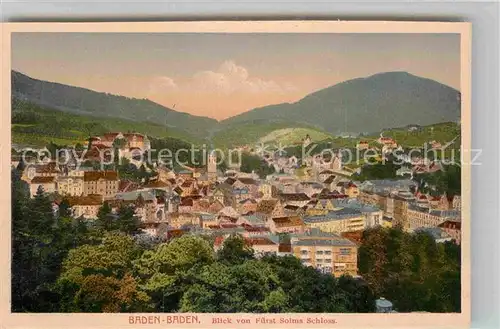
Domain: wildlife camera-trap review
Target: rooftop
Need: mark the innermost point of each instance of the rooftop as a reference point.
(42, 180)
(324, 242)
(133, 195)
(340, 214)
(96, 175)
(90, 200)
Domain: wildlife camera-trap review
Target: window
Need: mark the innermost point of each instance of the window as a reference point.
(319, 252)
(345, 251)
(339, 267)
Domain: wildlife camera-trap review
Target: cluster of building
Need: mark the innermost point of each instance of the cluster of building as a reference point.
(402, 206)
(413, 164)
(322, 213)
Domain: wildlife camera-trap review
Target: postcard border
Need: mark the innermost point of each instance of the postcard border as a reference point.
(430, 320)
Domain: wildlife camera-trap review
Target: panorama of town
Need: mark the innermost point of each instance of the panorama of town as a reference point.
(258, 173)
(314, 208)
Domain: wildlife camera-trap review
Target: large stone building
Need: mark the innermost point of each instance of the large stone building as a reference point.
(105, 183)
(328, 253)
(337, 221)
(70, 185)
(419, 217)
(46, 183)
(85, 206)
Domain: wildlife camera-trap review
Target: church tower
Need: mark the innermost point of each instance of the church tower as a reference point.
(337, 162)
(212, 166)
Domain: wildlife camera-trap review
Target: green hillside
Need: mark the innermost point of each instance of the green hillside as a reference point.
(441, 132)
(34, 125)
(248, 133)
(384, 100)
(81, 101)
(290, 136)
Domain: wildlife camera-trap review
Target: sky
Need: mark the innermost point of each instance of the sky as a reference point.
(220, 75)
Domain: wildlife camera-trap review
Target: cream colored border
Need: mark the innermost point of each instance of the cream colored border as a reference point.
(8, 320)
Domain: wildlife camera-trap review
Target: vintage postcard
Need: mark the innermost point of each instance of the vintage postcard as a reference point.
(306, 174)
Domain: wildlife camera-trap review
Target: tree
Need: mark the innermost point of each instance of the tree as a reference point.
(250, 163)
(166, 271)
(79, 147)
(105, 219)
(98, 278)
(446, 181)
(127, 221)
(251, 286)
(411, 270)
(307, 289)
(358, 296)
(40, 241)
(64, 208)
(235, 250)
(379, 170)
(89, 128)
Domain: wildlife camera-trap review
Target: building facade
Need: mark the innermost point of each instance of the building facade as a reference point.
(105, 183)
(330, 254)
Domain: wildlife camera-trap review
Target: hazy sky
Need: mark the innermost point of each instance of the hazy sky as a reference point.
(221, 75)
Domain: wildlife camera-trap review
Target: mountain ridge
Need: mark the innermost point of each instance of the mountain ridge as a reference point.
(365, 104)
(353, 101)
(80, 100)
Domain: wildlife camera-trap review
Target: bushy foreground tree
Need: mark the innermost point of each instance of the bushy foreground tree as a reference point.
(412, 270)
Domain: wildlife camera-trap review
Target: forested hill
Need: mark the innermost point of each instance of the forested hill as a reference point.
(88, 102)
(381, 101)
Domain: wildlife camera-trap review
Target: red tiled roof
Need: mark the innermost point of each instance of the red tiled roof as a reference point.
(156, 183)
(354, 236)
(138, 137)
(42, 180)
(252, 201)
(250, 228)
(90, 200)
(329, 180)
(290, 221)
(331, 196)
(127, 186)
(96, 175)
(186, 202)
(260, 241)
(451, 225)
(228, 225)
(267, 206)
(247, 181)
(294, 197)
(187, 184)
(285, 247)
(100, 146)
(49, 168)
